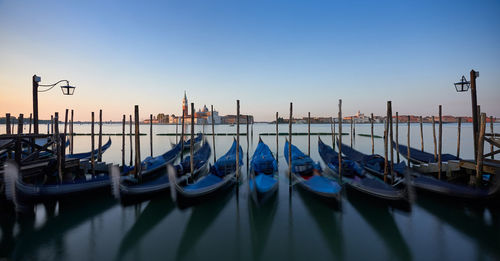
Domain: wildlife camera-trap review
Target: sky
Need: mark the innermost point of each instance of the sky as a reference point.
(264, 53)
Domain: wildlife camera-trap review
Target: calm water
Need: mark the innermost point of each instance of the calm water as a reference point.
(291, 226)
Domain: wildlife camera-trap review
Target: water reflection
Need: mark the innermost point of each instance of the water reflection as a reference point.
(156, 210)
(378, 215)
(261, 219)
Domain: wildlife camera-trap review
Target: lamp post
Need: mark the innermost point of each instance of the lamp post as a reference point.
(463, 86)
(66, 90)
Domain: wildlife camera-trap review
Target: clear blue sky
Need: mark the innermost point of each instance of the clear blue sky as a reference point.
(265, 53)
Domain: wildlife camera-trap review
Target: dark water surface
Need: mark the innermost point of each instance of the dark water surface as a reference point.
(292, 225)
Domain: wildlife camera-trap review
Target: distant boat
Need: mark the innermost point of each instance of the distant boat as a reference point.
(222, 175)
(309, 175)
(355, 177)
(263, 178)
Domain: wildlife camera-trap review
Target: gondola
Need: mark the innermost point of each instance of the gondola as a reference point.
(132, 189)
(197, 142)
(222, 175)
(421, 157)
(355, 177)
(421, 182)
(88, 155)
(309, 176)
(263, 177)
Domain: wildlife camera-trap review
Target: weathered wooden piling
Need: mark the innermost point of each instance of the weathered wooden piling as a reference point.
(351, 132)
(65, 129)
(277, 133)
(191, 145)
(137, 143)
(58, 146)
(459, 127)
(20, 122)
(408, 143)
(248, 134)
(480, 150)
(213, 131)
(309, 134)
(390, 138)
(333, 132)
(31, 118)
(182, 135)
(492, 136)
(71, 130)
(123, 141)
(130, 139)
(340, 140)
(440, 145)
(237, 140)
(290, 120)
(397, 137)
(434, 137)
(151, 133)
(7, 124)
(99, 149)
(386, 160)
(421, 133)
(371, 128)
(92, 156)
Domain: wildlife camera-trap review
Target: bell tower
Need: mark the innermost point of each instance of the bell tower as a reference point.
(185, 105)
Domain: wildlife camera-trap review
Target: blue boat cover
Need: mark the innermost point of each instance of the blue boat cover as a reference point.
(301, 163)
(204, 182)
(374, 162)
(263, 182)
(423, 156)
(199, 159)
(227, 163)
(263, 160)
(322, 184)
(331, 158)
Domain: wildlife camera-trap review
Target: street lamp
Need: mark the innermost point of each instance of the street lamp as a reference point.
(66, 90)
(463, 86)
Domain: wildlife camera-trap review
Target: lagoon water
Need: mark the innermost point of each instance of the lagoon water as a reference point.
(292, 225)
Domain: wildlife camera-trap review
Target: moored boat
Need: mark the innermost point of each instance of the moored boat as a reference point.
(263, 176)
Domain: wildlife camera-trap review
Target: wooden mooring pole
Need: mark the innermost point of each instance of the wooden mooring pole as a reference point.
(390, 138)
(480, 150)
(290, 120)
(31, 118)
(351, 131)
(371, 128)
(422, 133)
(99, 149)
(137, 143)
(434, 137)
(459, 127)
(213, 131)
(71, 131)
(123, 142)
(440, 145)
(309, 134)
(397, 137)
(340, 140)
(277, 133)
(151, 134)
(408, 143)
(237, 140)
(182, 135)
(130, 139)
(51, 124)
(332, 126)
(8, 130)
(492, 136)
(65, 129)
(92, 156)
(191, 145)
(248, 134)
(58, 147)
(20, 122)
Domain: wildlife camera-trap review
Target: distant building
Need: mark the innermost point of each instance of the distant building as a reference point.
(231, 119)
(202, 116)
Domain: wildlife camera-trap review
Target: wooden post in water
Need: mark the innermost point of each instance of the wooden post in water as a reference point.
(371, 128)
(130, 139)
(339, 144)
(248, 134)
(332, 127)
(99, 149)
(434, 137)
(20, 122)
(351, 132)
(191, 145)
(182, 135)
(237, 140)
(458, 136)
(408, 142)
(386, 161)
(397, 137)
(71, 130)
(92, 156)
(290, 120)
(123, 142)
(213, 132)
(58, 147)
(7, 123)
(137, 143)
(480, 150)
(390, 138)
(51, 124)
(31, 116)
(421, 133)
(65, 130)
(309, 134)
(440, 145)
(492, 137)
(277, 133)
(151, 133)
